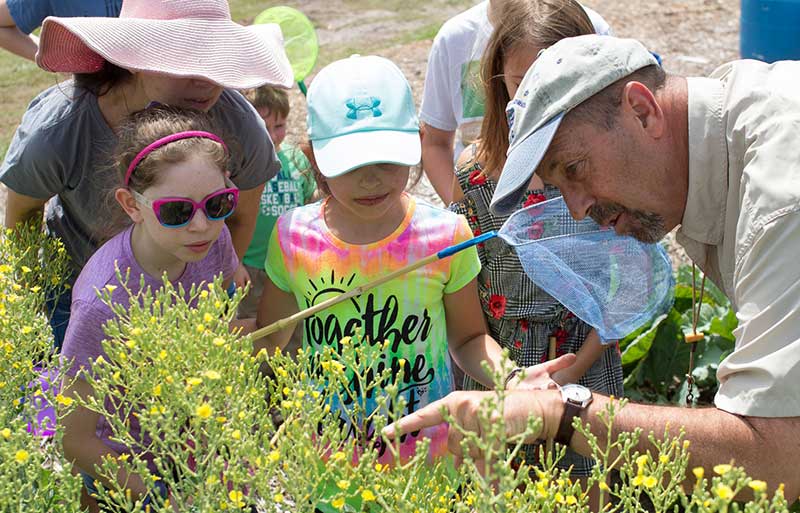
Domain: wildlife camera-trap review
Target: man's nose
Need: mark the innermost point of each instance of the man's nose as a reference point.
(578, 203)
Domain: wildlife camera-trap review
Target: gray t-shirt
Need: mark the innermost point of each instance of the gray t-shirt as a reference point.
(61, 151)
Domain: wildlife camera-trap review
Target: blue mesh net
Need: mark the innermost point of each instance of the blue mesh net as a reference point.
(614, 283)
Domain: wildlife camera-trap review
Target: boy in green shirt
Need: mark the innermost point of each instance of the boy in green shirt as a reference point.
(293, 186)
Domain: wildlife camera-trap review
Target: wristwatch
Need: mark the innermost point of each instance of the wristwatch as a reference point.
(576, 399)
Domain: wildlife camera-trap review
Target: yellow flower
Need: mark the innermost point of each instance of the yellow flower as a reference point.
(63, 400)
(5, 268)
(204, 411)
(111, 288)
(338, 503)
(200, 328)
(193, 381)
(162, 355)
(157, 390)
(25, 269)
(722, 469)
(641, 461)
(212, 374)
(21, 456)
(650, 481)
(274, 456)
(638, 480)
(345, 341)
(758, 486)
(222, 419)
(5, 433)
(212, 480)
(724, 492)
(218, 341)
(664, 459)
(698, 472)
(208, 317)
(367, 495)
(26, 329)
(603, 486)
(236, 497)
(571, 500)
(229, 390)
(338, 456)
(344, 484)
(136, 332)
(236, 435)
(278, 498)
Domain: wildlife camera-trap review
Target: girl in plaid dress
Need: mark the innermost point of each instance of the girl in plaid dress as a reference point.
(521, 316)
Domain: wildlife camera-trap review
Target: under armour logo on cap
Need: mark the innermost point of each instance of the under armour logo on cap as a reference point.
(363, 104)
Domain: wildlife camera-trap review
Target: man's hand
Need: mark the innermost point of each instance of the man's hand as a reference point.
(540, 377)
(464, 408)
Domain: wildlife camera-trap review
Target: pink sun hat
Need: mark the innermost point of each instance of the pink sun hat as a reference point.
(180, 38)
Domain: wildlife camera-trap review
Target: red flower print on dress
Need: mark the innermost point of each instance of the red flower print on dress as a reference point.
(523, 325)
(536, 230)
(517, 344)
(561, 335)
(533, 199)
(477, 177)
(497, 305)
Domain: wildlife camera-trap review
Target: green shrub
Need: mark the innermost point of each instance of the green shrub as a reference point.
(227, 436)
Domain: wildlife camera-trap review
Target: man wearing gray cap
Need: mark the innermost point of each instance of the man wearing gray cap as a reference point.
(645, 152)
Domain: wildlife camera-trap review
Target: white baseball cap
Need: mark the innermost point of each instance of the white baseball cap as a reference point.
(562, 77)
(360, 112)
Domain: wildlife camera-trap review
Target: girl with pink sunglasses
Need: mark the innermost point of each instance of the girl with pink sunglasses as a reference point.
(175, 190)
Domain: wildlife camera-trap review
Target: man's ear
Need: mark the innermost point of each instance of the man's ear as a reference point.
(640, 101)
(128, 204)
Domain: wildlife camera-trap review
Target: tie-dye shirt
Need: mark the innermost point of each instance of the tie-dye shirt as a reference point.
(306, 259)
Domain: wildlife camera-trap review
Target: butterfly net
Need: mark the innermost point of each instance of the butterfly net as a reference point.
(614, 283)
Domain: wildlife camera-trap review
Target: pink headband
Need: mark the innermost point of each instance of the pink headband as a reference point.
(166, 140)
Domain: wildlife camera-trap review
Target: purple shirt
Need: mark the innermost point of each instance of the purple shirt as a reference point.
(89, 314)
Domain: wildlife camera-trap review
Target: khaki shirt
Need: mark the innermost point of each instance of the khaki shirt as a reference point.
(742, 225)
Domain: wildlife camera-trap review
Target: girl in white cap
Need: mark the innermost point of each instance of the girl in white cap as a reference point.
(364, 139)
(184, 53)
(172, 186)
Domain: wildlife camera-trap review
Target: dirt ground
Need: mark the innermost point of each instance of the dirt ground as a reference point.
(692, 37)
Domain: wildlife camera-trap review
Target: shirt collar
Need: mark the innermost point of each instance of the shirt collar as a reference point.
(704, 216)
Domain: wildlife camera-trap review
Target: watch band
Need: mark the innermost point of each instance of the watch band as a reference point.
(565, 429)
(511, 375)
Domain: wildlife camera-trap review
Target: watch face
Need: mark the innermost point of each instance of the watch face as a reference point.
(576, 393)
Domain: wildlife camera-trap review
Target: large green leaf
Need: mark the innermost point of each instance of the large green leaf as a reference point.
(637, 349)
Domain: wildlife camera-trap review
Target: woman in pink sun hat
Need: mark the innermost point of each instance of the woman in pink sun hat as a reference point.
(183, 53)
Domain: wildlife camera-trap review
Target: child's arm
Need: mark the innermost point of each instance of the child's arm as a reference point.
(589, 352)
(82, 446)
(467, 334)
(275, 304)
(470, 343)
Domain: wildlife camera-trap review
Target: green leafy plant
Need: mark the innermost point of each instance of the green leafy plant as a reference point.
(33, 475)
(656, 357)
(228, 435)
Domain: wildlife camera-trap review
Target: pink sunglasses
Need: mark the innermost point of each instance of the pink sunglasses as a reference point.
(178, 212)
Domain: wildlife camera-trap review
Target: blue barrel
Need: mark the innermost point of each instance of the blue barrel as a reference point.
(770, 30)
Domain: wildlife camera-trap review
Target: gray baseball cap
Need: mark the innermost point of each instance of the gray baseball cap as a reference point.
(561, 78)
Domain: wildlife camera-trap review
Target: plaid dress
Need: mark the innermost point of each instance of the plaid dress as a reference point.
(521, 316)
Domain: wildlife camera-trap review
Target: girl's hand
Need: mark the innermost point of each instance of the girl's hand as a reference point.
(241, 277)
(541, 377)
